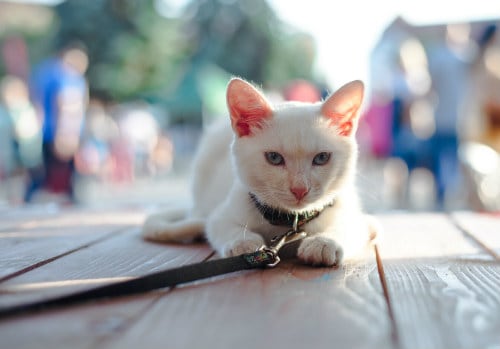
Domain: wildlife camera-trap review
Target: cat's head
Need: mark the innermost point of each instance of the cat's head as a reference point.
(294, 156)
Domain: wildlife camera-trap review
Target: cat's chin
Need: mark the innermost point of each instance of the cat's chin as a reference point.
(293, 206)
(301, 206)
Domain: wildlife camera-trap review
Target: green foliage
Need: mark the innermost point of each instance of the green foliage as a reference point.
(247, 39)
(244, 38)
(132, 50)
(135, 52)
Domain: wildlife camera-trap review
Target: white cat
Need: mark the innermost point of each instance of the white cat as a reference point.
(276, 162)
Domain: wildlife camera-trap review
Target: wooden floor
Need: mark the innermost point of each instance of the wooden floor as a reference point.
(434, 283)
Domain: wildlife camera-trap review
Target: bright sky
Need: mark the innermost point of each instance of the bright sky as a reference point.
(346, 31)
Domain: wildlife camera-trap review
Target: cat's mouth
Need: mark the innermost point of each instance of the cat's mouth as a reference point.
(299, 205)
(289, 203)
(286, 203)
(287, 216)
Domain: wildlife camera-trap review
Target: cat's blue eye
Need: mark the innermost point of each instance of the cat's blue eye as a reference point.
(321, 158)
(274, 158)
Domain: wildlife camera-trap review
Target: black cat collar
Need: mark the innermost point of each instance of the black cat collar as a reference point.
(288, 219)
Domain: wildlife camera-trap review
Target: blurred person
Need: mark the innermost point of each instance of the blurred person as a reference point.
(140, 129)
(27, 135)
(6, 143)
(60, 94)
(406, 145)
(480, 136)
(99, 132)
(409, 148)
(448, 70)
(120, 163)
(162, 157)
(375, 126)
(481, 113)
(20, 136)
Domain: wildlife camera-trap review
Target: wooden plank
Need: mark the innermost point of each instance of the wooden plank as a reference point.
(44, 216)
(291, 306)
(444, 290)
(36, 242)
(21, 251)
(82, 327)
(19, 254)
(118, 257)
(422, 235)
(485, 228)
(89, 325)
(88, 217)
(11, 216)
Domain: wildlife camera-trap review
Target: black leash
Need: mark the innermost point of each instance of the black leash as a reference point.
(262, 258)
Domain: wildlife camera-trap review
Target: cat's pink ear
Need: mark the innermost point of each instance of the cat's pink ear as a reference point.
(248, 108)
(342, 108)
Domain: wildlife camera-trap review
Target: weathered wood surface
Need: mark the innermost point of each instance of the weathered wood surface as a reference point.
(11, 217)
(443, 288)
(292, 306)
(484, 228)
(119, 255)
(35, 241)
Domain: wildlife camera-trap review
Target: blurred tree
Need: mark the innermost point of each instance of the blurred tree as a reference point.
(244, 38)
(247, 39)
(135, 52)
(132, 50)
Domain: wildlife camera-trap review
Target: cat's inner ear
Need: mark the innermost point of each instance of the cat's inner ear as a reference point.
(248, 108)
(342, 107)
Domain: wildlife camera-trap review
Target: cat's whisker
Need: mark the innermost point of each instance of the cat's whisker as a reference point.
(245, 229)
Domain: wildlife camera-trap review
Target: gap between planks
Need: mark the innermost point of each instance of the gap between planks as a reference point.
(472, 237)
(401, 335)
(52, 259)
(117, 316)
(387, 297)
(142, 312)
(136, 333)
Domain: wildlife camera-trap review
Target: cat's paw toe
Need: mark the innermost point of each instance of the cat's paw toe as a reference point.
(320, 250)
(239, 247)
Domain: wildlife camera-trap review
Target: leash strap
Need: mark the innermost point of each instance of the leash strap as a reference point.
(264, 257)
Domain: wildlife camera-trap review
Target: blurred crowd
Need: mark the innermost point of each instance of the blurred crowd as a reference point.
(51, 132)
(435, 113)
(430, 136)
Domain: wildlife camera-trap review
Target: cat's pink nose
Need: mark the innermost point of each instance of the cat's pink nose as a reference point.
(299, 192)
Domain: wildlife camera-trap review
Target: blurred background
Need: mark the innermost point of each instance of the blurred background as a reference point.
(103, 102)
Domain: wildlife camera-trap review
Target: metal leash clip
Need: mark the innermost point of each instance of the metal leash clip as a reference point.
(279, 241)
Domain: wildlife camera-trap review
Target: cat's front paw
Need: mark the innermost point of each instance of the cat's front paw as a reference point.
(320, 250)
(238, 247)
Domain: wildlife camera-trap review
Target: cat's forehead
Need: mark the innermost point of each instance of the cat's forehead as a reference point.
(297, 110)
(294, 118)
(298, 128)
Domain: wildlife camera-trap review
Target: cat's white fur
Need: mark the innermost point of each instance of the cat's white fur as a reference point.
(231, 163)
